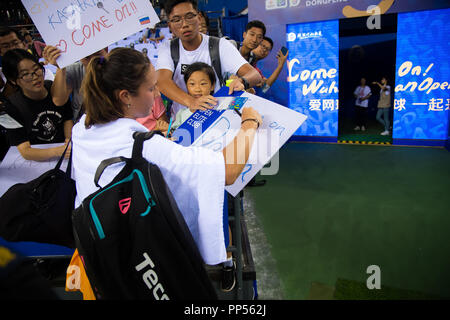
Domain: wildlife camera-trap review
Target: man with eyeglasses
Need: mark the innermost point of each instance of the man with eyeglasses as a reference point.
(12, 39)
(184, 22)
(261, 52)
(9, 39)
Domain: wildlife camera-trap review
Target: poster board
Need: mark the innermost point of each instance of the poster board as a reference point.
(215, 129)
(82, 27)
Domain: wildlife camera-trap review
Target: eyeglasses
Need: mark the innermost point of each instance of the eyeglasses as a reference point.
(265, 48)
(189, 17)
(10, 45)
(28, 77)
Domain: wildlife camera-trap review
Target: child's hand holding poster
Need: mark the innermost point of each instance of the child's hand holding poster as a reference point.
(215, 129)
(81, 27)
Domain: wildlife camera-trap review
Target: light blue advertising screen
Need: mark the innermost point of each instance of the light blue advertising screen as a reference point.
(313, 76)
(422, 90)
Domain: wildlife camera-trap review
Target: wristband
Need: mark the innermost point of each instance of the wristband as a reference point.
(245, 83)
(251, 119)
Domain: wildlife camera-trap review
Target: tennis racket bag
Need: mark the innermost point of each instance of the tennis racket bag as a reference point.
(133, 240)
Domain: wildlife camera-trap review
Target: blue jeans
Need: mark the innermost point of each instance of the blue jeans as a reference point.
(385, 120)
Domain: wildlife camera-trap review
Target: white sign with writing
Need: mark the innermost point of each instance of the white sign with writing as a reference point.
(216, 129)
(82, 27)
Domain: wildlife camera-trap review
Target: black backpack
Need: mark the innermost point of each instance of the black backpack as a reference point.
(133, 240)
(39, 210)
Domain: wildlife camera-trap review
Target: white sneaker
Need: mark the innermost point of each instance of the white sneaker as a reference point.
(385, 133)
(356, 128)
(363, 128)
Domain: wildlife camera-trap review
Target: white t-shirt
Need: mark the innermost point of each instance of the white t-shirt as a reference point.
(230, 60)
(195, 176)
(361, 93)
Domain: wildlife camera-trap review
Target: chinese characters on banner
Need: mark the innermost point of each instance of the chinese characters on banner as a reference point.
(323, 105)
(313, 76)
(422, 89)
(432, 104)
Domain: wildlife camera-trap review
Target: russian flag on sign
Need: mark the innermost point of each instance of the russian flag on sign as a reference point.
(144, 20)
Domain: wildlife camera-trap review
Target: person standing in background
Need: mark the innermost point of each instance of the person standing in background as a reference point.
(384, 105)
(204, 22)
(362, 95)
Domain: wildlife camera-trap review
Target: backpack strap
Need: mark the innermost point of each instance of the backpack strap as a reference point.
(214, 54)
(103, 165)
(175, 53)
(139, 138)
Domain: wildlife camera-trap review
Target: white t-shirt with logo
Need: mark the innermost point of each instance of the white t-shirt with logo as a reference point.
(361, 93)
(230, 59)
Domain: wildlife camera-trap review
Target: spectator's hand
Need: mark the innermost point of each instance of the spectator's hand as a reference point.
(50, 54)
(203, 103)
(262, 83)
(236, 85)
(58, 151)
(251, 90)
(250, 113)
(282, 58)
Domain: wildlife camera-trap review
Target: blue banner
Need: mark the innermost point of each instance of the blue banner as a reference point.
(273, 12)
(422, 89)
(313, 76)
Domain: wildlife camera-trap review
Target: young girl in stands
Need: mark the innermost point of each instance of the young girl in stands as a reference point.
(113, 99)
(39, 119)
(200, 80)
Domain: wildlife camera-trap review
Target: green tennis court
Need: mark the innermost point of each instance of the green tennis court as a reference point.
(333, 210)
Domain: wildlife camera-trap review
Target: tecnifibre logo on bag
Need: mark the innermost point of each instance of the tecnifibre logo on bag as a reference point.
(124, 205)
(150, 278)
